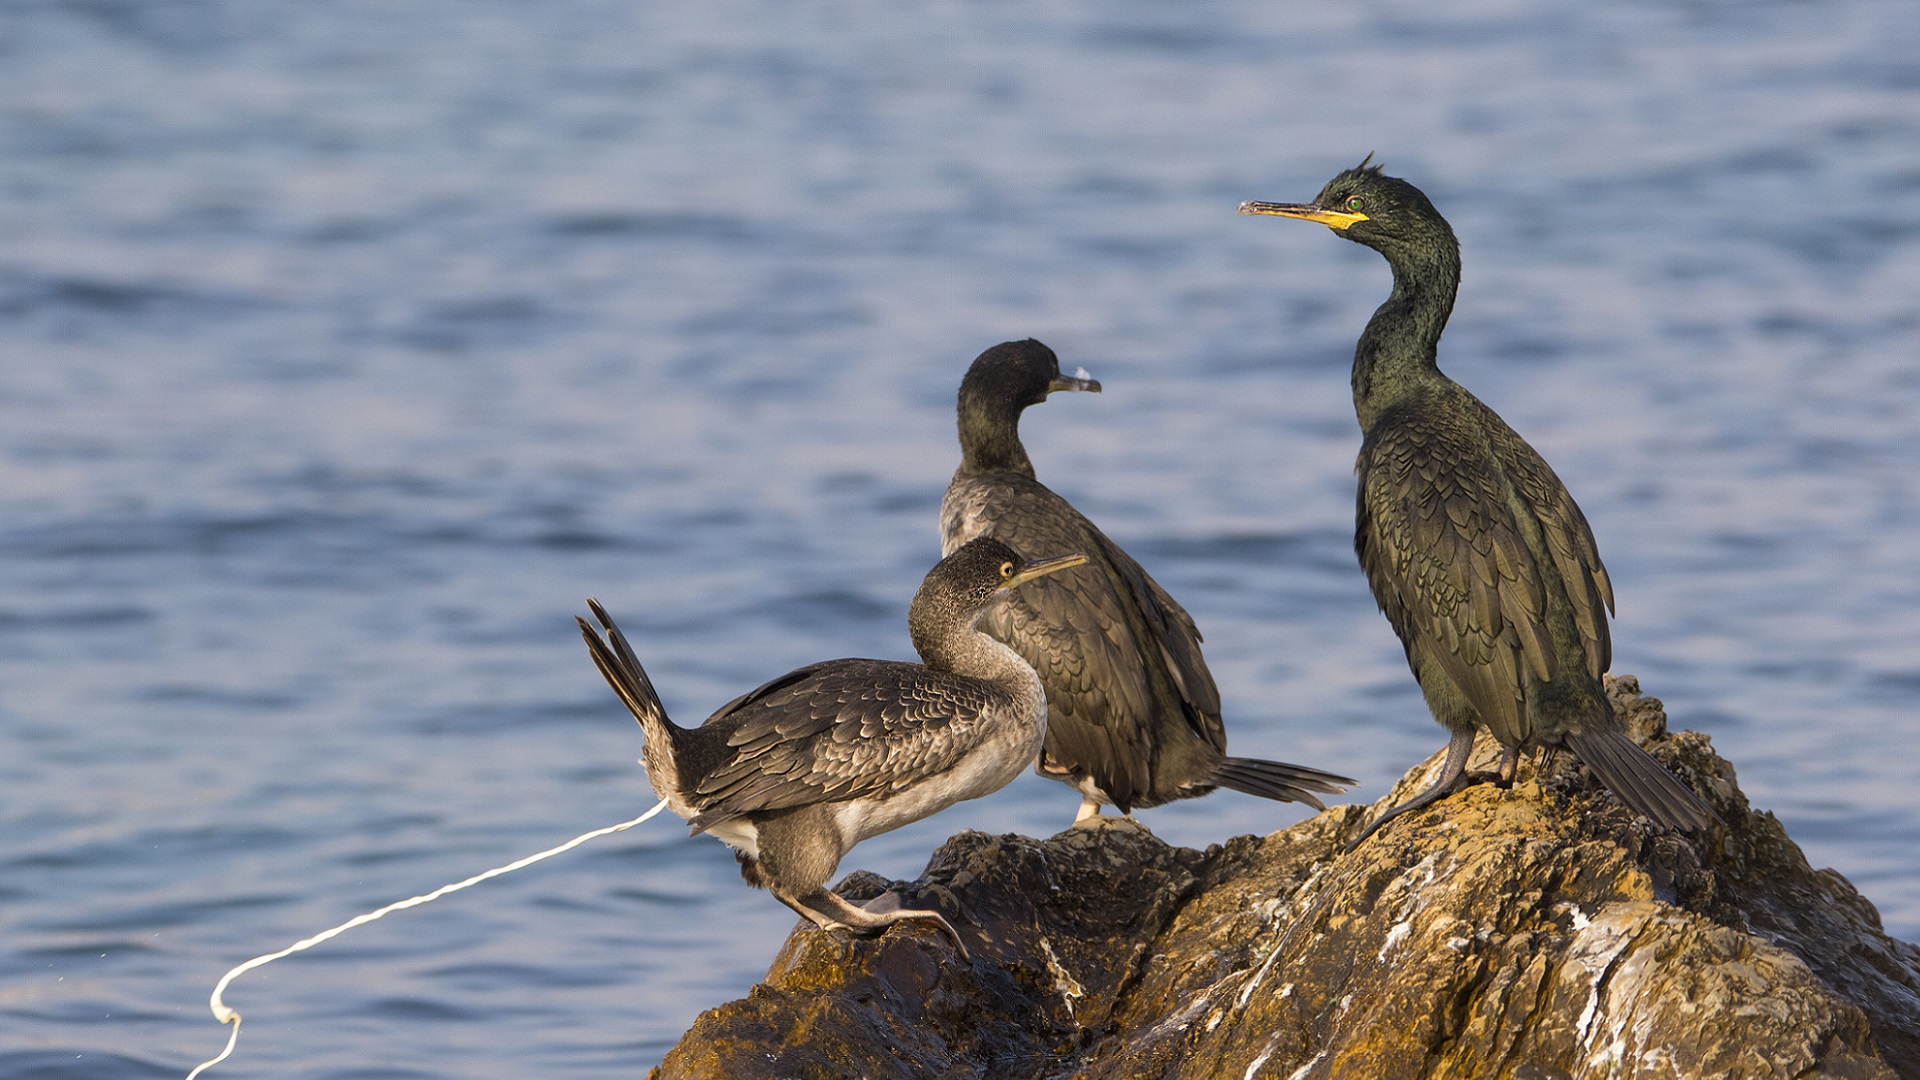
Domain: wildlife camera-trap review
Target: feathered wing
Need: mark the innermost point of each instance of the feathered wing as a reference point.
(1180, 641)
(1448, 564)
(839, 730)
(1570, 542)
(1091, 652)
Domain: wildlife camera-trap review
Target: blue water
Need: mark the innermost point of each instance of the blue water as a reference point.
(349, 346)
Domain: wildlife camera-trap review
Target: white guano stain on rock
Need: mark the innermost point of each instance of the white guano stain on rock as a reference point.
(1400, 932)
(1069, 988)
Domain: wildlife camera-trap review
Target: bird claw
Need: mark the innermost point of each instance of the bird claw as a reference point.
(940, 923)
(1107, 821)
(895, 913)
(871, 918)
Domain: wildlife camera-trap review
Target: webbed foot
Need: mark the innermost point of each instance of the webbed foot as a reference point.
(1453, 777)
(830, 911)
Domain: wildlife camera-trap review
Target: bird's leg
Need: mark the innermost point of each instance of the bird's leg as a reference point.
(1502, 775)
(1089, 812)
(1509, 767)
(1452, 771)
(830, 911)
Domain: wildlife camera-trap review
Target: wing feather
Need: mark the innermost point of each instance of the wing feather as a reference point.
(1574, 553)
(1444, 544)
(1449, 567)
(1099, 638)
(840, 730)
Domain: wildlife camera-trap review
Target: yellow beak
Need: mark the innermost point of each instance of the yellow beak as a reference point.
(1332, 219)
(1041, 568)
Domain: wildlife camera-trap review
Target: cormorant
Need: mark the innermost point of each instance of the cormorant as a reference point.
(795, 773)
(1474, 550)
(1133, 718)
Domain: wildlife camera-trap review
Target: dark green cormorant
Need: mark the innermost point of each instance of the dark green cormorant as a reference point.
(1133, 718)
(794, 774)
(1473, 548)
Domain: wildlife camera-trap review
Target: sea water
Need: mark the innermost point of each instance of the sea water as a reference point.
(346, 347)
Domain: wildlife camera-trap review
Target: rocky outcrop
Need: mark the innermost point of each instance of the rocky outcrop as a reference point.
(1539, 932)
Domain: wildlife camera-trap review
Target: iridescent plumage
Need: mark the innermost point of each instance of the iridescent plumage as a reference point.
(1473, 548)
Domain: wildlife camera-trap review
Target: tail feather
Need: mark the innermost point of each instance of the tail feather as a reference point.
(622, 670)
(1278, 780)
(1641, 781)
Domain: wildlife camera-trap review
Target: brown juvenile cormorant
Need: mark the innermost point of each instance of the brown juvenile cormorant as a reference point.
(794, 774)
(1133, 718)
(1473, 547)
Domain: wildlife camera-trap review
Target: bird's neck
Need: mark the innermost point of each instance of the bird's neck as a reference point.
(990, 439)
(1399, 350)
(972, 653)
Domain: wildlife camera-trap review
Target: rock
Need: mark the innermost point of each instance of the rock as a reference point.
(1536, 933)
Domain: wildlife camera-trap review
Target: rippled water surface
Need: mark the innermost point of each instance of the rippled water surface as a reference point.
(348, 346)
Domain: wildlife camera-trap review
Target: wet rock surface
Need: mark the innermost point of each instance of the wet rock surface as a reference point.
(1539, 932)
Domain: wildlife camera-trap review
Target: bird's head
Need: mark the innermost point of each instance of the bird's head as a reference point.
(1019, 374)
(1363, 205)
(961, 587)
(981, 571)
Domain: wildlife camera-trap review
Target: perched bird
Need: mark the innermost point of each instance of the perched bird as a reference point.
(794, 774)
(1133, 718)
(1473, 547)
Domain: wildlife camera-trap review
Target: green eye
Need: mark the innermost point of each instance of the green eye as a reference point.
(1354, 204)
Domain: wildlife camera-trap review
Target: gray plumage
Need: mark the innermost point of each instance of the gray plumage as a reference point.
(796, 772)
(1133, 713)
(1473, 548)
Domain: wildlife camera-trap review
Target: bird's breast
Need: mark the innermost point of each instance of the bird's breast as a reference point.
(1012, 742)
